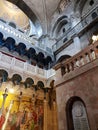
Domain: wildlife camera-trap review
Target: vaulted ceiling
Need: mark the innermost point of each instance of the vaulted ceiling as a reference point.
(41, 12)
(38, 10)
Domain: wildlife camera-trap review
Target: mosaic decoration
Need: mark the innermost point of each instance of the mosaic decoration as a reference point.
(11, 13)
(79, 115)
(20, 113)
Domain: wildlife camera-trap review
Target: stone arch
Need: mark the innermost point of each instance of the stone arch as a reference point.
(12, 25)
(63, 57)
(48, 61)
(31, 14)
(59, 24)
(16, 79)
(70, 53)
(29, 82)
(21, 49)
(10, 43)
(3, 75)
(40, 85)
(76, 114)
(30, 52)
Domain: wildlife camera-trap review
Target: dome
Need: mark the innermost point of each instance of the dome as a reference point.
(11, 13)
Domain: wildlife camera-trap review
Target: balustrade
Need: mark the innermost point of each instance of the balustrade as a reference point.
(16, 33)
(84, 57)
(21, 36)
(12, 63)
(85, 21)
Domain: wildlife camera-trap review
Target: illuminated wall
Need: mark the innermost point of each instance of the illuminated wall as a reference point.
(20, 113)
(10, 12)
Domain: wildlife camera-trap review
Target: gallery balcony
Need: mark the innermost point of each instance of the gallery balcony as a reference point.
(15, 65)
(21, 36)
(78, 29)
(80, 63)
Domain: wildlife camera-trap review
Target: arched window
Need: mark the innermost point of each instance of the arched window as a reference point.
(91, 2)
(76, 115)
(12, 24)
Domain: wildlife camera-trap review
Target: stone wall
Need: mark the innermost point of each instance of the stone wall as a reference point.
(85, 86)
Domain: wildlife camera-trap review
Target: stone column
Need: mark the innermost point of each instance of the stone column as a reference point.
(0, 55)
(77, 43)
(55, 124)
(45, 114)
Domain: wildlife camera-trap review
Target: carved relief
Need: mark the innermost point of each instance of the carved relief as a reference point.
(79, 116)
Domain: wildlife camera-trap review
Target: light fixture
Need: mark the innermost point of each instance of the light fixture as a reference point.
(8, 30)
(11, 90)
(2, 27)
(95, 38)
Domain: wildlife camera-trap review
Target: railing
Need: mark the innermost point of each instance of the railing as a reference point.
(84, 57)
(85, 21)
(20, 36)
(16, 33)
(15, 65)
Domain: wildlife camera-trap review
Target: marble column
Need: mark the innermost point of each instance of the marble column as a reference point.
(45, 114)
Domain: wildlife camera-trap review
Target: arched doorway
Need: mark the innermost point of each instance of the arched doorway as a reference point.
(76, 114)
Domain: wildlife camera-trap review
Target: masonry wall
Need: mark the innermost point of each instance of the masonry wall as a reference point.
(84, 86)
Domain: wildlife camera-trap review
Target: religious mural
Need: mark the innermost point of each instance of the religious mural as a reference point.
(20, 114)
